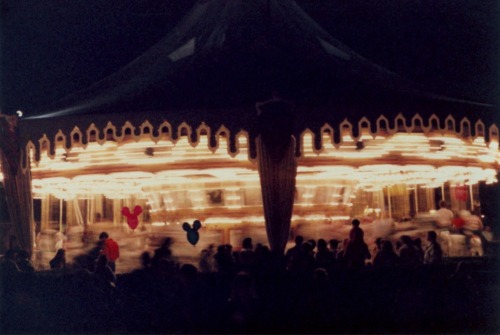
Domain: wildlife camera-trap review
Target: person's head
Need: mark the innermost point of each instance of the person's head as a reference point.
(23, 254)
(313, 243)
(443, 204)
(406, 240)
(261, 249)
(387, 246)
(10, 254)
(247, 243)
(378, 242)
(355, 223)
(322, 244)
(431, 236)
(306, 247)
(103, 235)
(221, 248)
(167, 243)
(334, 244)
(299, 239)
(188, 270)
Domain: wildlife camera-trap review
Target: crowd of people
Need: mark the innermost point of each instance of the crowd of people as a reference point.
(316, 286)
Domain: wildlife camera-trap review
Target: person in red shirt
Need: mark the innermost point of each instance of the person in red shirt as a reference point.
(110, 249)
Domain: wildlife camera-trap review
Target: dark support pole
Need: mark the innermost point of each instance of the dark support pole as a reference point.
(17, 183)
(277, 169)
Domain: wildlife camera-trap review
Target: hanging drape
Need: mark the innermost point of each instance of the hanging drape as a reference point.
(277, 170)
(17, 183)
(277, 181)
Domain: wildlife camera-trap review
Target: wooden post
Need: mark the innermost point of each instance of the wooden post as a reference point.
(60, 214)
(389, 201)
(416, 199)
(471, 198)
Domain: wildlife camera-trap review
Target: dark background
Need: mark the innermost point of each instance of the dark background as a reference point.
(52, 48)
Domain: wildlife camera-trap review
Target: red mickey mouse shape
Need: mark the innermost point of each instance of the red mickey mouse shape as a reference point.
(132, 219)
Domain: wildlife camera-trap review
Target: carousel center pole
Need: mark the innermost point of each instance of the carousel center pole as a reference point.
(277, 169)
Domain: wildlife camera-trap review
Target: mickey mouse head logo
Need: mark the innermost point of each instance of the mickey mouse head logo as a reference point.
(132, 218)
(192, 232)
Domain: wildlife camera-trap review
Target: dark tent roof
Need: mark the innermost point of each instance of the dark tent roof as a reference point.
(226, 55)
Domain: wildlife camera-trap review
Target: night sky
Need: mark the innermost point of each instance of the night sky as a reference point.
(52, 48)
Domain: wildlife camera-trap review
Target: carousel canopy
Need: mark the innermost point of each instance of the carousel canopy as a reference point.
(225, 56)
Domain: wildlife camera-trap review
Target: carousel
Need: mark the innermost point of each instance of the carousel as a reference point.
(270, 159)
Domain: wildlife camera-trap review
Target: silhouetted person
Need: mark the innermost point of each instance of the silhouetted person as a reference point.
(224, 261)
(145, 260)
(420, 251)
(324, 257)
(379, 241)
(24, 263)
(163, 260)
(386, 257)
(88, 260)
(104, 272)
(206, 263)
(8, 264)
(313, 244)
(303, 263)
(356, 230)
(164, 251)
(295, 250)
(14, 244)
(408, 253)
(433, 253)
(59, 260)
(341, 260)
(110, 249)
(246, 255)
(356, 252)
(333, 244)
(264, 263)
